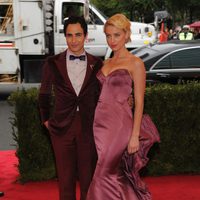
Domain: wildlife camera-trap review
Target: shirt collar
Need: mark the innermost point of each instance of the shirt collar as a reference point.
(71, 53)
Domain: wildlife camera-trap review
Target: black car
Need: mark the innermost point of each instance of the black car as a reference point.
(172, 61)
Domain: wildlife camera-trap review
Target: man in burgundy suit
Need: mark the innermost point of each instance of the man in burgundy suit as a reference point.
(71, 78)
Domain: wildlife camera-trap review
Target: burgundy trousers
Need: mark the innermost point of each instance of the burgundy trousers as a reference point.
(75, 157)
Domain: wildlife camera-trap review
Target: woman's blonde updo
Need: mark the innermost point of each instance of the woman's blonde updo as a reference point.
(120, 21)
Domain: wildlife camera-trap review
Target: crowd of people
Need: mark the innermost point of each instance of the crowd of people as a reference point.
(178, 33)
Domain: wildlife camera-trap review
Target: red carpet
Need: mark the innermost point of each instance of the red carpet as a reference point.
(162, 188)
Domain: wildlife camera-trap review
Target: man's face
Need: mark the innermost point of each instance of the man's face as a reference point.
(75, 38)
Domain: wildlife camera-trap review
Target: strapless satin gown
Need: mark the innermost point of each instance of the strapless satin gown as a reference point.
(113, 124)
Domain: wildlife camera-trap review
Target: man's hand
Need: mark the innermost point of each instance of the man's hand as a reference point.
(46, 123)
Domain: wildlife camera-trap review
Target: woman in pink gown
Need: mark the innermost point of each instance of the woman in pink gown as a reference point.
(122, 139)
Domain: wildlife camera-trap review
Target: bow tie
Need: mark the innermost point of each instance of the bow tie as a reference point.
(72, 57)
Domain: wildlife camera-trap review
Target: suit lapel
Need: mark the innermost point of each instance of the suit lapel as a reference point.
(61, 64)
(89, 71)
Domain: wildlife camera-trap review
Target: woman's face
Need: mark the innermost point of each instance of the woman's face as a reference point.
(116, 38)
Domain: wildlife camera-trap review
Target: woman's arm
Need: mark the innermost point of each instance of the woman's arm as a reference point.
(139, 78)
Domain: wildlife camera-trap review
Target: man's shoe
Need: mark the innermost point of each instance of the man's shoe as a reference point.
(1, 194)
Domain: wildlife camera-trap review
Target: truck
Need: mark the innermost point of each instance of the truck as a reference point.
(31, 30)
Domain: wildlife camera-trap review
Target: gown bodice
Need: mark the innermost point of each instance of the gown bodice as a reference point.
(116, 86)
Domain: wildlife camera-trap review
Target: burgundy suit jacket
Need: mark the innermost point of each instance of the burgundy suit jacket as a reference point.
(55, 81)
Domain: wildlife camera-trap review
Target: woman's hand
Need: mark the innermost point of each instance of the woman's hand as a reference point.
(133, 145)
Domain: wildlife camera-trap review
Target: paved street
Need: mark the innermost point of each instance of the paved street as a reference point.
(6, 139)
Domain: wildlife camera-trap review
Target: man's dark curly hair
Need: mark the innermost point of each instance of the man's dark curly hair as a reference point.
(75, 20)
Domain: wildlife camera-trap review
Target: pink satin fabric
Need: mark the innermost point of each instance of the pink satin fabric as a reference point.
(116, 176)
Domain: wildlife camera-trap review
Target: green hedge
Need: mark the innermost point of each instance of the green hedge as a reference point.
(34, 150)
(175, 109)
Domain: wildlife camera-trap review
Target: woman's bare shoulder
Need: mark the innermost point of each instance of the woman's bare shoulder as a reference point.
(136, 60)
(135, 65)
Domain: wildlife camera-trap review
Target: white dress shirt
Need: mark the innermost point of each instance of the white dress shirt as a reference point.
(76, 71)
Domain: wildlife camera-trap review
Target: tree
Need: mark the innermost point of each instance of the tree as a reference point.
(138, 9)
(183, 12)
(107, 6)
